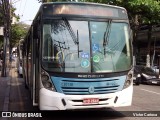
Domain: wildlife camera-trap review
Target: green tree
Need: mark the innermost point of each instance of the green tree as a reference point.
(149, 14)
(3, 19)
(1, 23)
(18, 32)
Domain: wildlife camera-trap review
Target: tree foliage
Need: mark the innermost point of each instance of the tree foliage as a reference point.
(3, 20)
(149, 10)
(1, 23)
(18, 32)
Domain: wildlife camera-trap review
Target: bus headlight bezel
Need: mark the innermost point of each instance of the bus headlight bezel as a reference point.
(46, 81)
(44, 78)
(129, 79)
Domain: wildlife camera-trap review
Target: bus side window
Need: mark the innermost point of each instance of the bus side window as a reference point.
(36, 34)
(36, 29)
(48, 45)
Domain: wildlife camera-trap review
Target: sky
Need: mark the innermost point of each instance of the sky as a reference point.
(26, 9)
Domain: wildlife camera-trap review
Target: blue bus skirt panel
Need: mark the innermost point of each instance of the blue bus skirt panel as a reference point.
(73, 95)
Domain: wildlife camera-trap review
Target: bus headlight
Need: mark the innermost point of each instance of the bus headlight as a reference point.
(129, 80)
(46, 81)
(44, 78)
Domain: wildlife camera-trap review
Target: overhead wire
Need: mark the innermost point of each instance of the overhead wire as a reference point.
(20, 7)
(24, 8)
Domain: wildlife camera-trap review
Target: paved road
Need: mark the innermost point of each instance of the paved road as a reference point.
(145, 98)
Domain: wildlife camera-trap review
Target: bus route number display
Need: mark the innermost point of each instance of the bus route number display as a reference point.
(84, 10)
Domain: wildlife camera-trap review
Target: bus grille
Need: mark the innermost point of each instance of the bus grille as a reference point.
(83, 87)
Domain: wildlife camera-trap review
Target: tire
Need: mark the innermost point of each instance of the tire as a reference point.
(20, 75)
(137, 83)
(26, 86)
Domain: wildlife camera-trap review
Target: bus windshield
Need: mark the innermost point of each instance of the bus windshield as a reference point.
(86, 46)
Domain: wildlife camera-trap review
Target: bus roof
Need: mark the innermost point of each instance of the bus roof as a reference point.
(84, 3)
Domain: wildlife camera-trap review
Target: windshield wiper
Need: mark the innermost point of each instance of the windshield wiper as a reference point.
(78, 43)
(106, 35)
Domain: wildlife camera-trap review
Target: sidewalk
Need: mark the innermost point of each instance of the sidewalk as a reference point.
(5, 90)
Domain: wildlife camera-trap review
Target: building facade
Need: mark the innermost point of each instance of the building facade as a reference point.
(141, 47)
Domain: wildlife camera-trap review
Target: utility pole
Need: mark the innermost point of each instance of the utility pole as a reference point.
(6, 20)
(10, 35)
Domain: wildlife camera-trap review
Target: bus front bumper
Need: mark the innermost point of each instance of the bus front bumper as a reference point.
(50, 100)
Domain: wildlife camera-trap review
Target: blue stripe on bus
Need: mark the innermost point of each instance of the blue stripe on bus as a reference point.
(76, 86)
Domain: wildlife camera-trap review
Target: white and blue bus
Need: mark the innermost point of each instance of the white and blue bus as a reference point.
(79, 56)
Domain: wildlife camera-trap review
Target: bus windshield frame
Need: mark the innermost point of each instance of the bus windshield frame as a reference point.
(71, 46)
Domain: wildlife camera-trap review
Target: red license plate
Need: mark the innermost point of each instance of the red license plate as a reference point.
(90, 100)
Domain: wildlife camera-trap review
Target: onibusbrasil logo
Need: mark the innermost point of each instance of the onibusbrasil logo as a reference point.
(21, 114)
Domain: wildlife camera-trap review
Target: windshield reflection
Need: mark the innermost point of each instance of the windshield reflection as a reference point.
(78, 46)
